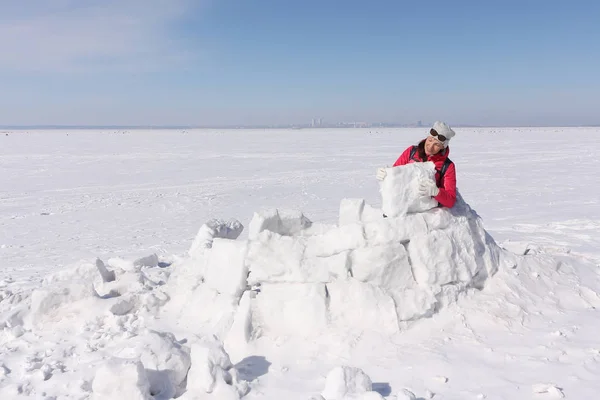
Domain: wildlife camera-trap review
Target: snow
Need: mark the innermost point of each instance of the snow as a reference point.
(120, 378)
(345, 383)
(105, 292)
(400, 189)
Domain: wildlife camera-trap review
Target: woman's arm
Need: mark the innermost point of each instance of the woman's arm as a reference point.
(404, 158)
(447, 195)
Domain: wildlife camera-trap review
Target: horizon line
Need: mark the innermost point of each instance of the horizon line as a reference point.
(352, 125)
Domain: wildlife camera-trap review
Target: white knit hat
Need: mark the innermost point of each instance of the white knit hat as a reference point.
(443, 129)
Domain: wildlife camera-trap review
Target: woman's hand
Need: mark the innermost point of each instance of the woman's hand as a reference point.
(428, 188)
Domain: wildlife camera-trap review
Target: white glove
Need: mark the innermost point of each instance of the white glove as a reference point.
(428, 188)
(381, 174)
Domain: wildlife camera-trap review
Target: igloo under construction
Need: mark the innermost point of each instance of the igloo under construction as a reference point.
(292, 277)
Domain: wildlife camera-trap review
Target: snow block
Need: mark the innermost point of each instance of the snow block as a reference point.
(240, 333)
(107, 276)
(370, 213)
(325, 269)
(399, 189)
(435, 267)
(202, 310)
(351, 211)
(275, 258)
(457, 254)
(226, 270)
(401, 229)
(336, 240)
(165, 360)
(266, 220)
(148, 261)
(316, 229)
(122, 306)
(361, 306)
(386, 266)
(50, 303)
(437, 218)
(292, 222)
(283, 222)
(212, 375)
(412, 304)
(121, 379)
(346, 382)
(83, 272)
(215, 228)
(296, 309)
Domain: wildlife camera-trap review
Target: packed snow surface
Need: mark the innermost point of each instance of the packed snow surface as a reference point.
(309, 294)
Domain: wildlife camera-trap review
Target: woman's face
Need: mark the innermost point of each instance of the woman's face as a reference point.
(432, 146)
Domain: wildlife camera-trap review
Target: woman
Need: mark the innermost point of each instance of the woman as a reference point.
(435, 149)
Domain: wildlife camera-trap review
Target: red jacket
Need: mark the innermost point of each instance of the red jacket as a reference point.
(447, 195)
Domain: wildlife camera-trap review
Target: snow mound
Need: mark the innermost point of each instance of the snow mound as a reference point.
(367, 273)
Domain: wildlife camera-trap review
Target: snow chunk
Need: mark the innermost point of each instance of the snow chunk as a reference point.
(283, 222)
(54, 302)
(361, 306)
(463, 252)
(553, 391)
(121, 379)
(346, 383)
(412, 304)
(405, 394)
(399, 189)
(226, 270)
(291, 309)
(241, 330)
(276, 258)
(336, 240)
(166, 361)
(148, 261)
(351, 211)
(215, 228)
(212, 375)
(107, 276)
(386, 266)
(386, 230)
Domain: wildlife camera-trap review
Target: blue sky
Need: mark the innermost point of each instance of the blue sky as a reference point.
(229, 62)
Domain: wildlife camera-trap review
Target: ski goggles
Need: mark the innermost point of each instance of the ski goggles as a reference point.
(436, 135)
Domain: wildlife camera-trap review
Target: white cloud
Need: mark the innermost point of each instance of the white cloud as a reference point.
(90, 35)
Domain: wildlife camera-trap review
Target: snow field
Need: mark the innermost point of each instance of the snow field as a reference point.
(288, 279)
(530, 333)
